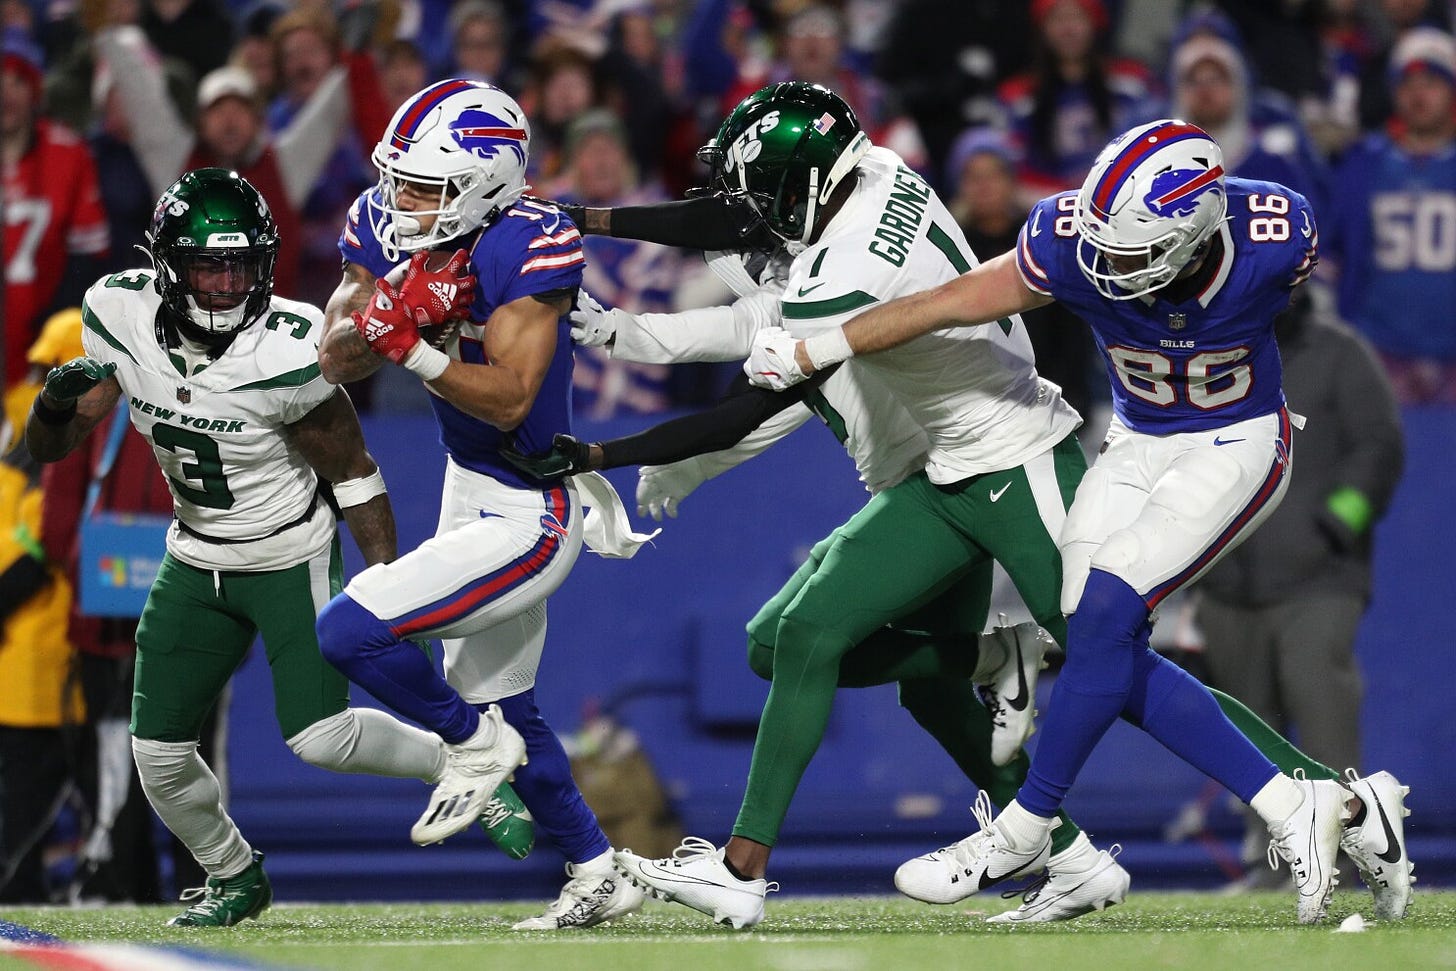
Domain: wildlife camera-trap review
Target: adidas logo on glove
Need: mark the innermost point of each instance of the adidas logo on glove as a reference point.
(445, 291)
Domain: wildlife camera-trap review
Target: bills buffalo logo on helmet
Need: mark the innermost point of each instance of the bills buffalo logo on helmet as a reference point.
(483, 134)
(1176, 192)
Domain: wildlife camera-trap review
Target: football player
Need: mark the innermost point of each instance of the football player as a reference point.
(452, 169)
(1078, 881)
(222, 378)
(1180, 272)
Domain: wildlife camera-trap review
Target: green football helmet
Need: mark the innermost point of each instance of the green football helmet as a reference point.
(787, 147)
(214, 245)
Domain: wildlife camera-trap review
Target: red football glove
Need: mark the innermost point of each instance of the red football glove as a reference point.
(387, 324)
(440, 295)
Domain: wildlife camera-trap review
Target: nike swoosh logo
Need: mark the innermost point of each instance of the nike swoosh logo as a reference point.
(1392, 845)
(988, 880)
(1019, 702)
(805, 291)
(1225, 441)
(486, 514)
(998, 493)
(1036, 224)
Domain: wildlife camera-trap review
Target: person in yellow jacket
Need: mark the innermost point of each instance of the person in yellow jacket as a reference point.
(39, 698)
(59, 342)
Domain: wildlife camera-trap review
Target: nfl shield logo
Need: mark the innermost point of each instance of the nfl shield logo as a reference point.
(1177, 321)
(184, 395)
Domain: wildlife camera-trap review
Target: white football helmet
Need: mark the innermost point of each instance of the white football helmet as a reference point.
(466, 140)
(1154, 198)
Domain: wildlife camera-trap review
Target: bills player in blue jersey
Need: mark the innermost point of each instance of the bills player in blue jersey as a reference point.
(452, 166)
(1180, 272)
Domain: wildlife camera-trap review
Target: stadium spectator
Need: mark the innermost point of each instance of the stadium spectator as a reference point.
(1393, 224)
(40, 699)
(638, 277)
(200, 33)
(480, 33)
(810, 47)
(55, 226)
(402, 71)
(982, 176)
(309, 49)
(254, 49)
(1073, 99)
(945, 58)
(1399, 18)
(1210, 85)
(1279, 614)
(563, 85)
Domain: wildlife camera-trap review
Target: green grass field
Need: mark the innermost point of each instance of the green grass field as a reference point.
(1184, 931)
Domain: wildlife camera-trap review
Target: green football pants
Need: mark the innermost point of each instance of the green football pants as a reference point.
(196, 629)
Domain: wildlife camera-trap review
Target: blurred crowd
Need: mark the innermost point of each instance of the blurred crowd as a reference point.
(104, 103)
(997, 102)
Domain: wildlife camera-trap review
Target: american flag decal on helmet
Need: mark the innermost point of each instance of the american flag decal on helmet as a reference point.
(825, 122)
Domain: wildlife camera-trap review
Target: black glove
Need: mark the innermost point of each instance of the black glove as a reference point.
(64, 384)
(567, 456)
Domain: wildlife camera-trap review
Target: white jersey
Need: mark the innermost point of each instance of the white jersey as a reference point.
(974, 390)
(887, 445)
(218, 432)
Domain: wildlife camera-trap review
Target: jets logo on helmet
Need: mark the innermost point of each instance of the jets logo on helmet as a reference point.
(1150, 205)
(483, 134)
(786, 148)
(461, 144)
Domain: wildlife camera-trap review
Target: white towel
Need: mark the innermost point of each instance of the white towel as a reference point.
(606, 528)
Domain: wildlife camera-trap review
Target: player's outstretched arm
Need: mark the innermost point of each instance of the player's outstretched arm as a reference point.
(74, 399)
(330, 440)
(520, 340)
(983, 295)
(343, 354)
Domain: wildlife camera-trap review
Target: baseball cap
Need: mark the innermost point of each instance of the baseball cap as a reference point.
(22, 54)
(1424, 48)
(224, 82)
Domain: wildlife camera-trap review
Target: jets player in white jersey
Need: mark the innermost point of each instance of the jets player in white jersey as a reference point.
(1180, 272)
(222, 379)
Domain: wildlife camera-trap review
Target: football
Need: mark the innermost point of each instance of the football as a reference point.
(437, 336)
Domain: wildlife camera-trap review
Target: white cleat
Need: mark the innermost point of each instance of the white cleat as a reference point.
(1309, 840)
(1062, 895)
(695, 876)
(1010, 694)
(474, 769)
(1377, 845)
(588, 899)
(953, 873)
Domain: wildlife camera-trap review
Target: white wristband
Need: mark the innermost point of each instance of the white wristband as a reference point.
(426, 361)
(356, 492)
(827, 348)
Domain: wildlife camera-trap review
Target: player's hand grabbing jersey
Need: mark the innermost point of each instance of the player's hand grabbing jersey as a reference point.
(975, 390)
(1210, 360)
(217, 432)
(530, 248)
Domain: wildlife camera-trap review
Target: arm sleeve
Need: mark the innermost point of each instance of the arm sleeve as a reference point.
(743, 409)
(706, 334)
(710, 222)
(160, 136)
(712, 464)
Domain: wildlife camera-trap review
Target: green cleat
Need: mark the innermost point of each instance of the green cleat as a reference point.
(508, 823)
(226, 901)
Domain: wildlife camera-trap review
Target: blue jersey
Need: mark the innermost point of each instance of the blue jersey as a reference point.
(1211, 360)
(530, 248)
(1394, 234)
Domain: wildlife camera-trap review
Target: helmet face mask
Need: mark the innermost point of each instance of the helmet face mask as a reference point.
(786, 148)
(1149, 208)
(452, 158)
(214, 246)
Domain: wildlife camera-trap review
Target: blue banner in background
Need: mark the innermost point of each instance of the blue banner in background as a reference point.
(658, 641)
(120, 556)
